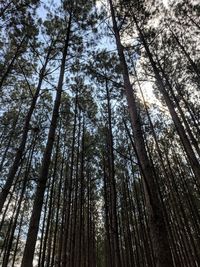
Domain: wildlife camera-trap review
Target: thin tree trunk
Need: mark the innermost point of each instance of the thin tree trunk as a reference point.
(19, 154)
(50, 204)
(180, 129)
(192, 63)
(24, 183)
(67, 201)
(14, 124)
(9, 68)
(158, 229)
(108, 256)
(57, 212)
(41, 186)
(112, 183)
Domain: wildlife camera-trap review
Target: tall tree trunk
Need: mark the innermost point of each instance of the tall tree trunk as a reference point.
(14, 124)
(41, 186)
(19, 154)
(180, 129)
(16, 55)
(76, 198)
(184, 51)
(193, 140)
(158, 229)
(67, 200)
(57, 211)
(108, 250)
(50, 204)
(112, 183)
(19, 203)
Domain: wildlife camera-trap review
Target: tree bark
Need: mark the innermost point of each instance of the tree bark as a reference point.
(158, 229)
(17, 159)
(41, 186)
(179, 127)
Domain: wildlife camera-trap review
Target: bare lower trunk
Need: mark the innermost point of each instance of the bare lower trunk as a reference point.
(41, 186)
(158, 229)
(18, 157)
(179, 127)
